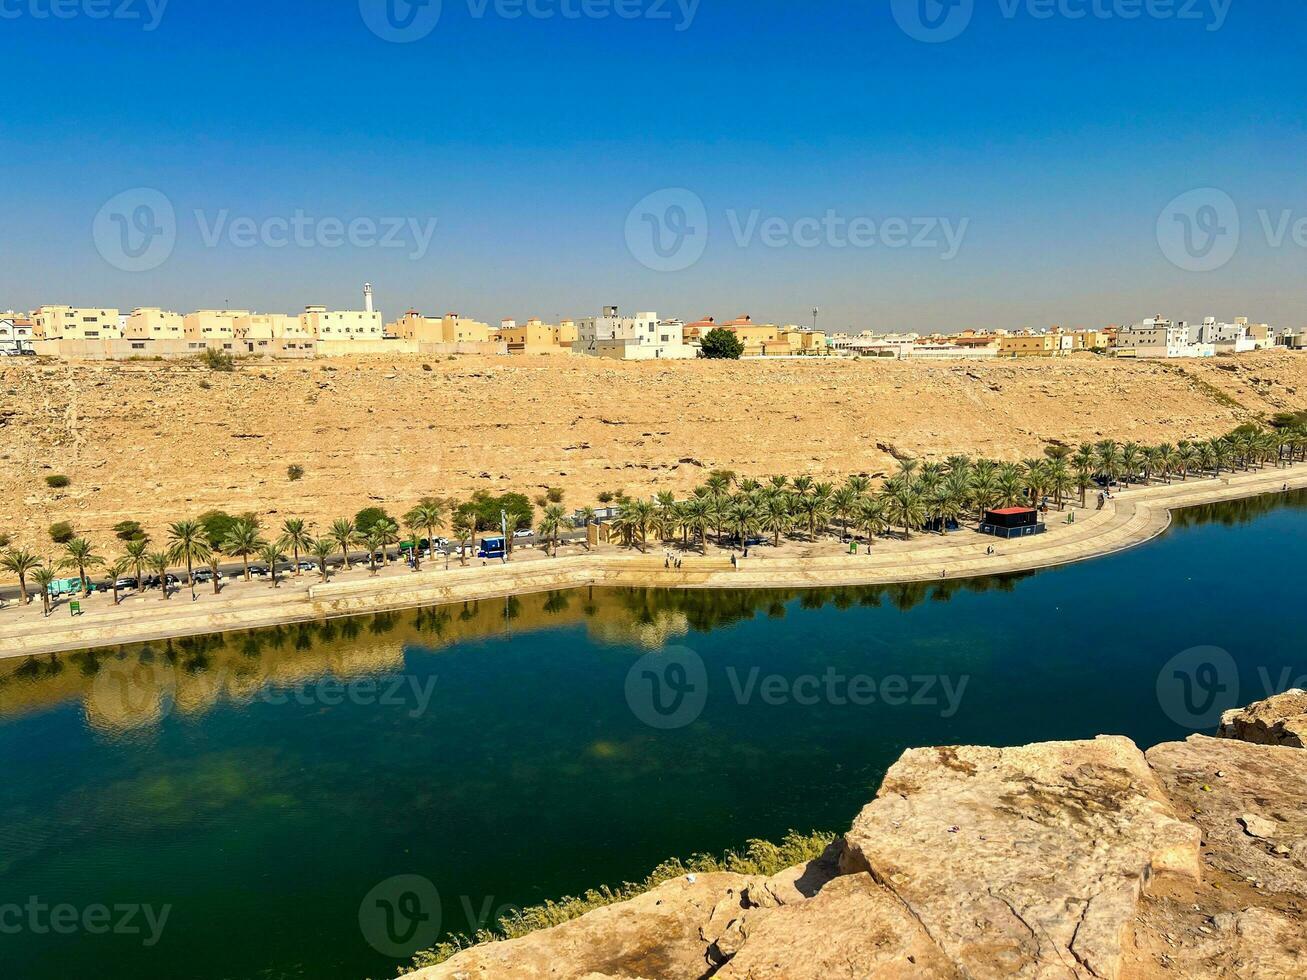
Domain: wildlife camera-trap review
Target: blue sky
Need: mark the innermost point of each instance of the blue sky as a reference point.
(1051, 145)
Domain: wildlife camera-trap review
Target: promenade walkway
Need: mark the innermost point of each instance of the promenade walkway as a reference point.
(1130, 518)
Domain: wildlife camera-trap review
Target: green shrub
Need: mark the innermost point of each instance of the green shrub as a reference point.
(129, 531)
(62, 532)
(57, 482)
(719, 344)
(555, 495)
(294, 472)
(4, 539)
(760, 857)
(365, 519)
(217, 360)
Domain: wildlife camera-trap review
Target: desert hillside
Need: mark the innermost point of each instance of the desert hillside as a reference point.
(156, 442)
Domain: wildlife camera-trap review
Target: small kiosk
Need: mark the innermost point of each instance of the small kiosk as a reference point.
(1012, 522)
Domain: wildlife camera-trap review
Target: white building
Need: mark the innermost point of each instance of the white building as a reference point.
(15, 334)
(642, 337)
(1226, 338)
(1159, 337)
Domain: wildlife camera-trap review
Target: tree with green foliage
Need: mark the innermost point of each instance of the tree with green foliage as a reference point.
(721, 345)
(81, 556)
(242, 541)
(21, 563)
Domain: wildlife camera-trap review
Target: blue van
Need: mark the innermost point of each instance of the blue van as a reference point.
(492, 548)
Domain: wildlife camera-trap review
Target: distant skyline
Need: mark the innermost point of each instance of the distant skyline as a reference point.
(1011, 170)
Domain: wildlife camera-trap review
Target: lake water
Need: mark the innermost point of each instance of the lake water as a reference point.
(255, 805)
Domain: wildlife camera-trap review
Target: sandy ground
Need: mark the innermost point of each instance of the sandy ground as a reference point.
(157, 442)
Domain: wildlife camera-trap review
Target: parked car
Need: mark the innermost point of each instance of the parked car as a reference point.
(152, 581)
(259, 571)
(525, 532)
(307, 566)
(126, 583)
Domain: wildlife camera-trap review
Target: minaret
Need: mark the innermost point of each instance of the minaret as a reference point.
(367, 296)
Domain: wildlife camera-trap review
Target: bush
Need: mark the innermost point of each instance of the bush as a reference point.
(294, 472)
(217, 525)
(555, 495)
(365, 519)
(217, 360)
(62, 532)
(129, 531)
(719, 344)
(57, 481)
(4, 539)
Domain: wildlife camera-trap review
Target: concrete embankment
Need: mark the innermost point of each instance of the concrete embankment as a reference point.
(1133, 517)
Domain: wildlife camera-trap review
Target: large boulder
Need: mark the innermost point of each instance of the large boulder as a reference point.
(1279, 720)
(1023, 862)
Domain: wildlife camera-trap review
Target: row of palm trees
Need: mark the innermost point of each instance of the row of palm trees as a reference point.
(934, 494)
(921, 494)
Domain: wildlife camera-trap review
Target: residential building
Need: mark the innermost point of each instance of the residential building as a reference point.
(270, 326)
(1028, 345)
(641, 337)
(152, 323)
(336, 325)
(1157, 337)
(210, 326)
(75, 323)
(804, 340)
(1226, 338)
(16, 333)
(533, 337)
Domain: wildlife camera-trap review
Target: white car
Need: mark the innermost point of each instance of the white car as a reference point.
(524, 533)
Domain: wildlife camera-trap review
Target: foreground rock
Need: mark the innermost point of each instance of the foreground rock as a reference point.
(1059, 861)
(1024, 862)
(1279, 720)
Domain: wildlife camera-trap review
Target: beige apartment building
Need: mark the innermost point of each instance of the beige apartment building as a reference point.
(76, 323)
(536, 336)
(451, 329)
(1023, 345)
(336, 325)
(270, 326)
(152, 323)
(212, 325)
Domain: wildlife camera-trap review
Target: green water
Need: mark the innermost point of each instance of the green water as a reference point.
(258, 787)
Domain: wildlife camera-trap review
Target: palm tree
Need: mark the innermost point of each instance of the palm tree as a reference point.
(1131, 459)
(843, 502)
(463, 527)
(1060, 481)
(698, 518)
(138, 551)
(742, 519)
(554, 519)
(157, 562)
(321, 550)
(295, 536)
(588, 517)
(413, 521)
(271, 555)
(904, 507)
(116, 570)
(431, 513)
(43, 577)
(215, 557)
(81, 556)
(187, 544)
(386, 532)
(243, 540)
(775, 517)
(345, 534)
(871, 517)
(22, 563)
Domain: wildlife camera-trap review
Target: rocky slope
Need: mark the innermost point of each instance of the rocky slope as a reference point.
(1080, 860)
(156, 442)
